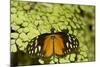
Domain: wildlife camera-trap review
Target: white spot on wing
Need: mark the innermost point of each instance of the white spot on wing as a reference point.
(69, 50)
(35, 50)
(70, 45)
(39, 48)
(73, 38)
(67, 44)
(32, 51)
(69, 38)
(74, 42)
(74, 46)
(35, 43)
(29, 52)
(31, 48)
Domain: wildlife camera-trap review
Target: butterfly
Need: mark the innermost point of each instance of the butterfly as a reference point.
(53, 44)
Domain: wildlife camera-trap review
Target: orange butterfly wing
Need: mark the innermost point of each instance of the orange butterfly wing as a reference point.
(48, 45)
(59, 45)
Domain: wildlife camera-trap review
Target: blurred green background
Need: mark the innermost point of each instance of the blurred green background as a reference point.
(30, 19)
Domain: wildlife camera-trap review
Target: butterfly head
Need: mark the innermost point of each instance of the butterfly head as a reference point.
(52, 30)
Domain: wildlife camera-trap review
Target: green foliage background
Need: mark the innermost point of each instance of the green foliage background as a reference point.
(30, 19)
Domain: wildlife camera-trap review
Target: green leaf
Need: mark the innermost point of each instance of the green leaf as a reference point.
(13, 48)
(12, 41)
(13, 10)
(23, 36)
(14, 35)
(19, 42)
